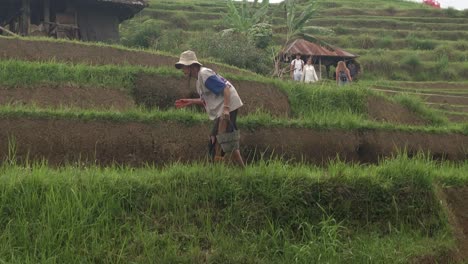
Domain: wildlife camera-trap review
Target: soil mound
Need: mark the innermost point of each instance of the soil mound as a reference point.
(66, 95)
(433, 98)
(383, 110)
(103, 142)
(42, 50)
(457, 202)
(161, 91)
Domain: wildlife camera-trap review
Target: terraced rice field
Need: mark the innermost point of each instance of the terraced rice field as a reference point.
(99, 167)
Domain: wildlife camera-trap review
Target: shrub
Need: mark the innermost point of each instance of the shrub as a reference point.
(261, 34)
(444, 52)
(340, 30)
(448, 74)
(411, 62)
(367, 42)
(173, 41)
(385, 42)
(234, 49)
(452, 12)
(141, 35)
(180, 21)
(421, 44)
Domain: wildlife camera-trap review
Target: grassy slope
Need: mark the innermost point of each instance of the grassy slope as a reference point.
(269, 213)
(409, 28)
(321, 107)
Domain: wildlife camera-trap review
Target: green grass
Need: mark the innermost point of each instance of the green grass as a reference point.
(316, 120)
(321, 106)
(22, 73)
(268, 213)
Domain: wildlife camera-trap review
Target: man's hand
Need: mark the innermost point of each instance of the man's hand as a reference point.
(182, 103)
(225, 115)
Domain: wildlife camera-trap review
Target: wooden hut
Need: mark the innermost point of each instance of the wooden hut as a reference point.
(88, 20)
(322, 54)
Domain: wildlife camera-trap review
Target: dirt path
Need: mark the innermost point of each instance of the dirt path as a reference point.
(62, 141)
(43, 50)
(433, 98)
(65, 95)
(456, 199)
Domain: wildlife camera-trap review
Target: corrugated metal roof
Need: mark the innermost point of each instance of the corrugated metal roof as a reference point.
(307, 48)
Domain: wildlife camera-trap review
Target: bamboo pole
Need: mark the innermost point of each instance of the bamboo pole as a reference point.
(320, 68)
(8, 31)
(46, 15)
(25, 17)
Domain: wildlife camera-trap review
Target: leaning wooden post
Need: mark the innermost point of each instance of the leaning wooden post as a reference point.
(320, 68)
(8, 32)
(46, 15)
(25, 17)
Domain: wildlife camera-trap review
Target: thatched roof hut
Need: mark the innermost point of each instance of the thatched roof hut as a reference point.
(326, 53)
(89, 20)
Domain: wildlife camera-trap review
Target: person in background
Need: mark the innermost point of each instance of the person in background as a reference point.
(218, 96)
(353, 70)
(309, 75)
(343, 76)
(297, 67)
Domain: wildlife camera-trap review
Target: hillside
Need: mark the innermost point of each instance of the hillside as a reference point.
(98, 166)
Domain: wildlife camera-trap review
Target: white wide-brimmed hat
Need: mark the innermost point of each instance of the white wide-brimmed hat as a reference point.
(187, 58)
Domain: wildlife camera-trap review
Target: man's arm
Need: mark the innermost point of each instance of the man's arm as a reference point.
(227, 101)
(188, 101)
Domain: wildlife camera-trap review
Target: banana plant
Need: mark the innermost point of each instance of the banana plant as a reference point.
(297, 24)
(243, 18)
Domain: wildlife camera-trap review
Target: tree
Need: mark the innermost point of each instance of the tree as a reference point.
(297, 27)
(242, 19)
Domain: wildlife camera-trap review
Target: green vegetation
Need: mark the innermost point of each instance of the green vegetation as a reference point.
(268, 213)
(21, 73)
(321, 107)
(401, 27)
(273, 211)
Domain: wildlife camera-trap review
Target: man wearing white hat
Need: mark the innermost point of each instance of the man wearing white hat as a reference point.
(217, 95)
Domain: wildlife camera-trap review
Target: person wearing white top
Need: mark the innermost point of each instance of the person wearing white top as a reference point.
(309, 75)
(297, 66)
(218, 96)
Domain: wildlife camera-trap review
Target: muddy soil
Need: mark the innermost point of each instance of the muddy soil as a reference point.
(455, 199)
(433, 98)
(462, 109)
(103, 142)
(161, 91)
(39, 50)
(457, 203)
(433, 85)
(383, 110)
(64, 95)
(457, 118)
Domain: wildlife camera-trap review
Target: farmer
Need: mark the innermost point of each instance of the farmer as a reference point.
(217, 95)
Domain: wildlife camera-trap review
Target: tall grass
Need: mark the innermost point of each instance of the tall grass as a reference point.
(416, 105)
(268, 213)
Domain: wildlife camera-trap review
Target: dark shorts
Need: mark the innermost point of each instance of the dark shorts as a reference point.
(231, 126)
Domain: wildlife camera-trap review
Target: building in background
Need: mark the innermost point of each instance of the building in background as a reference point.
(88, 20)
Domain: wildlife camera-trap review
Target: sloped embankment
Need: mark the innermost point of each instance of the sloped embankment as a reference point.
(83, 53)
(66, 141)
(161, 92)
(66, 95)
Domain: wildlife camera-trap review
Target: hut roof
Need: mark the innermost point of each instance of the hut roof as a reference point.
(307, 48)
(141, 3)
